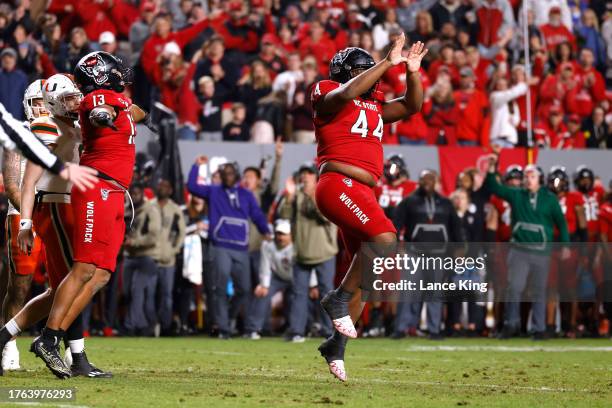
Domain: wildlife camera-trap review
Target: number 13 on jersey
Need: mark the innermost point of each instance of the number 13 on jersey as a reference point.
(360, 126)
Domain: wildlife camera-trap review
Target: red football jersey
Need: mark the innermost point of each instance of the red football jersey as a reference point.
(568, 204)
(353, 135)
(504, 219)
(389, 196)
(592, 201)
(605, 220)
(109, 151)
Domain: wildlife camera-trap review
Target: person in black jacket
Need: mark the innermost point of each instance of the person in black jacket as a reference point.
(597, 130)
(426, 217)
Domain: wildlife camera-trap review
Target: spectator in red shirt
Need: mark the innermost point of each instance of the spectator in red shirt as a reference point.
(495, 23)
(238, 31)
(479, 66)
(551, 132)
(555, 88)
(555, 32)
(174, 76)
(441, 114)
(318, 45)
(95, 16)
(586, 69)
(576, 138)
(590, 87)
(271, 54)
(473, 107)
(445, 62)
(163, 34)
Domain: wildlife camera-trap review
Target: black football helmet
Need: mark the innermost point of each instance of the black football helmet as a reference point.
(513, 172)
(584, 172)
(395, 167)
(558, 180)
(350, 62)
(101, 70)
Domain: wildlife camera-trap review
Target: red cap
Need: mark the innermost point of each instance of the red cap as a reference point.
(554, 9)
(555, 109)
(574, 118)
(147, 6)
(235, 6)
(269, 38)
(257, 3)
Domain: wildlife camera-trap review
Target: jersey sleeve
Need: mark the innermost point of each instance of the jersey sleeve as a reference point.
(577, 199)
(46, 131)
(320, 89)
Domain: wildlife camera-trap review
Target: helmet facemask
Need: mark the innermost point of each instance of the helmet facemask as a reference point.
(35, 108)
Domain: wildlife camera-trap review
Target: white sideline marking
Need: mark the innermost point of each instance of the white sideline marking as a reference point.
(523, 349)
(42, 404)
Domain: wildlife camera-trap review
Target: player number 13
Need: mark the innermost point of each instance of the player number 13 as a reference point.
(361, 126)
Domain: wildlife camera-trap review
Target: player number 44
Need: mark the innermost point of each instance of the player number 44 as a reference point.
(360, 126)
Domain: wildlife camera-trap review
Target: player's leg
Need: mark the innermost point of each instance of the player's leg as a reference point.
(336, 303)
(21, 269)
(76, 358)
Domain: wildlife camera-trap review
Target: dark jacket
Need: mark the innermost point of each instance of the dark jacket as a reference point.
(12, 87)
(428, 219)
(597, 137)
(229, 212)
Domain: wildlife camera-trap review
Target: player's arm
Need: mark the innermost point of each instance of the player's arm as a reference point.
(103, 116)
(335, 100)
(142, 117)
(11, 169)
(31, 176)
(581, 222)
(411, 102)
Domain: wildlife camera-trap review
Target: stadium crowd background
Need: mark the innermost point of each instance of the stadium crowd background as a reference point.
(241, 71)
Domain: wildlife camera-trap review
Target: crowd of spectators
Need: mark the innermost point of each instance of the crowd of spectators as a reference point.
(241, 70)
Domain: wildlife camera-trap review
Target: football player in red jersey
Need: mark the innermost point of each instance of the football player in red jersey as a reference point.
(562, 276)
(584, 181)
(349, 114)
(107, 119)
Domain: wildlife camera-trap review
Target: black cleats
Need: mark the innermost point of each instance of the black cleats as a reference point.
(82, 367)
(49, 353)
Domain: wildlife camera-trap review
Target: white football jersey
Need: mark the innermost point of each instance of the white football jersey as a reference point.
(67, 139)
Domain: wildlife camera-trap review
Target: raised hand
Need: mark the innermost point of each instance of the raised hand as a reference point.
(395, 53)
(415, 56)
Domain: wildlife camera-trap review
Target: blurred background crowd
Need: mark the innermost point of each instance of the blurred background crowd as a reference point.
(240, 70)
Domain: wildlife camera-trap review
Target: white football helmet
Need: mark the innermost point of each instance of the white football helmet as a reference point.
(56, 92)
(33, 92)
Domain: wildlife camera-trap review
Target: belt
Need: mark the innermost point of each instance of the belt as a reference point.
(38, 198)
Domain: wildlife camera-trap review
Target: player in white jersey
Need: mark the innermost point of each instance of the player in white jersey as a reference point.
(21, 266)
(45, 203)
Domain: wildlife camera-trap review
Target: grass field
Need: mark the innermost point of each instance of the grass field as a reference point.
(382, 373)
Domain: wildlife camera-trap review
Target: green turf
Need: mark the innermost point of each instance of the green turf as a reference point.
(207, 372)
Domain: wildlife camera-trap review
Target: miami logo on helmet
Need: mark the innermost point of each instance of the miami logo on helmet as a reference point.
(95, 67)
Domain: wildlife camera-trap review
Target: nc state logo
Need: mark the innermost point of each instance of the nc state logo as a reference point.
(348, 182)
(95, 67)
(104, 192)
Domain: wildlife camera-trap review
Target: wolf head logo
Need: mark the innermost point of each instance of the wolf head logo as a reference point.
(95, 67)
